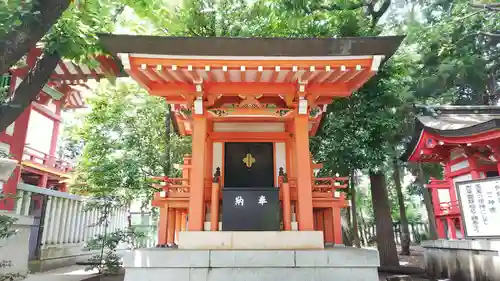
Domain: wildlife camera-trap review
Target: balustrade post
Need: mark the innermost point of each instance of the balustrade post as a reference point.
(26, 203)
(64, 221)
(55, 225)
(92, 230)
(452, 228)
(214, 207)
(19, 202)
(47, 220)
(84, 225)
(70, 221)
(287, 214)
(79, 222)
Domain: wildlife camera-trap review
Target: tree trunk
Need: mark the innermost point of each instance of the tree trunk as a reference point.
(381, 208)
(349, 224)
(346, 232)
(428, 204)
(29, 89)
(363, 227)
(405, 231)
(353, 210)
(33, 27)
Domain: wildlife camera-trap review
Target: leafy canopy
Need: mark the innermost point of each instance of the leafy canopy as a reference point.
(125, 142)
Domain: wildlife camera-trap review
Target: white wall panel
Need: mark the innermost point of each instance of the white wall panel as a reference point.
(280, 150)
(217, 156)
(10, 130)
(39, 132)
(460, 165)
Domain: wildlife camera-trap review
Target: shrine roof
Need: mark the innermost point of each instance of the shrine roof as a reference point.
(260, 79)
(455, 121)
(453, 124)
(252, 47)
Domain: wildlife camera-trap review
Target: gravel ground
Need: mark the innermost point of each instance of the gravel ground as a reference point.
(416, 257)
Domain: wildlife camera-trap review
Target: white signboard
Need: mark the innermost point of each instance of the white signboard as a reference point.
(480, 204)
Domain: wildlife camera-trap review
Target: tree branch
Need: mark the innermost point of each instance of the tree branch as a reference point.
(491, 7)
(29, 88)
(336, 7)
(19, 41)
(376, 15)
(490, 34)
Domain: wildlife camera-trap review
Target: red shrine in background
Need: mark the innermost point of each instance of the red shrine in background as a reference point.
(32, 138)
(250, 106)
(466, 141)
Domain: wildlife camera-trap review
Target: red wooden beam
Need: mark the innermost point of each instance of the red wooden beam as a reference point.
(46, 112)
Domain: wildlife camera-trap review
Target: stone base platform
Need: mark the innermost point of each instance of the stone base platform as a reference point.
(338, 263)
(462, 259)
(251, 240)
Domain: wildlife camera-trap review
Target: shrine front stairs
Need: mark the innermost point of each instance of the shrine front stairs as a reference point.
(339, 263)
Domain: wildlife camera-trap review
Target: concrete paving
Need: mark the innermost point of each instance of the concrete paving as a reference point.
(71, 273)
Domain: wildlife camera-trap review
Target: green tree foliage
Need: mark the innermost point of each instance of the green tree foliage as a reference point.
(107, 243)
(63, 29)
(460, 53)
(124, 139)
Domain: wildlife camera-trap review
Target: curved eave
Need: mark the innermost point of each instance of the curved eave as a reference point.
(412, 146)
(470, 131)
(481, 133)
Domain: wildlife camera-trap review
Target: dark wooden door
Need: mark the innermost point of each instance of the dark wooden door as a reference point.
(248, 164)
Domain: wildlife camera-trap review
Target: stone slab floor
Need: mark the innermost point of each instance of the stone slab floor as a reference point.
(70, 273)
(78, 273)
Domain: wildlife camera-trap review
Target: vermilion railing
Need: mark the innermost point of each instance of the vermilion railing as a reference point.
(329, 185)
(172, 185)
(322, 186)
(449, 207)
(440, 184)
(39, 157)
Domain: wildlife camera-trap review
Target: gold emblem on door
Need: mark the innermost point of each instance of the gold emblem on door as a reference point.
(248, 160)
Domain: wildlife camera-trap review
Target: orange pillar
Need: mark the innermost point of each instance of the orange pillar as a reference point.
(208, 154)
(315, 220)
(287, 212)
(328, 226)
(292, 171)
(214, 207)
(162, 227)
(171, 226)
(197, 188)
(337, 226)
(183, 221)
(321, 221)
(304, 180)
(177, 225)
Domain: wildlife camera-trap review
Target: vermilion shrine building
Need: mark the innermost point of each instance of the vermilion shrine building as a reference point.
(250, 106)
(32, 139)
(466, 141)
(53, 224)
